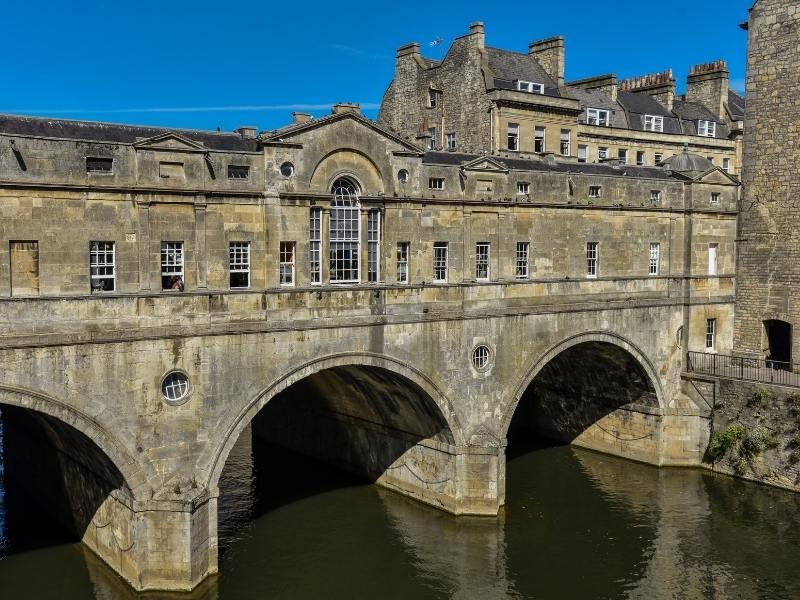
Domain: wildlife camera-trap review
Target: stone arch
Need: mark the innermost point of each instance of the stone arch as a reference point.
(358, 359)
(39, 402)
(347, 162)
(607, 337)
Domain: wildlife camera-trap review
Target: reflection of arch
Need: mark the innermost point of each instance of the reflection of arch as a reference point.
(357, 359)
(39, 402)
(542, 361)
(349, 163)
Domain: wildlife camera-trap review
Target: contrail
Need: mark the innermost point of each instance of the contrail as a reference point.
(183, 109)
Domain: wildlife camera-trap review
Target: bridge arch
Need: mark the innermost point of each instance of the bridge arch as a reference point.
(319, 365)
(586, 340)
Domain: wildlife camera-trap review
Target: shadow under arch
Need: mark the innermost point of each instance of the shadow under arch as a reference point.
(446, 412)
(580, 380)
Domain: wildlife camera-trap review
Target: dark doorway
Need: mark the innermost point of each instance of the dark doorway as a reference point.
(779, 336)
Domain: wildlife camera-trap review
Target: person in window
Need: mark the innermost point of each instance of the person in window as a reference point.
(176, 283)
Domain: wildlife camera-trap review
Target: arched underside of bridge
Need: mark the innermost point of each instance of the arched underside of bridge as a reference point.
(594, 394)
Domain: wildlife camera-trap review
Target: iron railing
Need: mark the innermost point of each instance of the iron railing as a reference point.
(750, 369)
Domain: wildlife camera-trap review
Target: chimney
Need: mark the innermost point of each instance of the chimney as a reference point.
(248, 132)
(478, 33)
(550, 54)
(411, 50)
(301, 117)
(660, 86)
(345, 107)
(708, 85)
(606, 84)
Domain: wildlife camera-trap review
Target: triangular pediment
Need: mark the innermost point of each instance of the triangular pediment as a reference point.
(716, 176)
(170, 141)
(485, 164)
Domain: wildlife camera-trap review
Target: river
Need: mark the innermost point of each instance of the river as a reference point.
(576, 525)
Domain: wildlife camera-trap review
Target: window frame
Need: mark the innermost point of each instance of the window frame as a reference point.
(602, 153)
(655, 196)
(512, 133)
(104, 160)
(622, 155)
(600, 117)
(522, 270)
(450, 141)
(654, 123)
(706, 128)
(441, 260)
(241, 169)
(711, 335)
(374, 245)
(583, 148)
(565, 145)
(523, 188)
(595, 191)
(431, 181)
(344, 235)
(433, 133)
(715, 197)
(433, 98)
(287, 257)
(238, 266)
(315, 245)
(641, 158)
(531, 87)
(97, 253)
(540, 139)
(654, 263)
(402, 262)
(483, 261)
(592, 259)
(172, 249)
(658, 158)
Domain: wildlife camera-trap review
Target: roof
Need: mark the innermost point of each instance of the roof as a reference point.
(94, 131)
(736, 106)
(685, 162)
(598, 99)
(519, 164)
(513, 66)
(639, 105)
(691, 112)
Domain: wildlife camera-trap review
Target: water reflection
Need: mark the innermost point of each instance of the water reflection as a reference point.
(577, 525)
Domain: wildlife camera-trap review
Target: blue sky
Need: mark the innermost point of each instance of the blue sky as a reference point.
(205, 64)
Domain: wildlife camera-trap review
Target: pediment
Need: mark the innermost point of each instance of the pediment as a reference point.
(716, 176)
(485, 164)
(169, 141)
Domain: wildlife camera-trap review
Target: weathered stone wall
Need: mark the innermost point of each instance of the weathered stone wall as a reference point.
(769, 251)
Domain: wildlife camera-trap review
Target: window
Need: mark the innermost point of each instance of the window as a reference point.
(602, 153)
(402, 261)
(480, 357)
(287, 169)
(99, 165)
(482, 261)
(484, 185)
(238, 172)
(715, 196)
(711, 331)
(706, 128)
(595, 191)
(565, 142)
(172, 266)
(450, 141)
(653, 123)
(402, 176)
(101, 266)
(436, 183)
(170, 170)
(583, 153)
(175, 387)
(591, 259)
(655, 196)
(539, 139)
(513, 136)
(640, 158)
(523, 249)
(523, 188)
(726, 165)
(373, 246)
(433, 98)
(432, 141)
(655, 251)
(344, 232)
(24, 257)
(315, 244)
(286, 267)
(712, 258)
(530, 87)
(239, 264)
(597, 116)
(657, 158)
(622, 154)
(440, 262)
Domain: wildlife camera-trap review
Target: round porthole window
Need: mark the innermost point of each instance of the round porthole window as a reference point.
(480, 357)
(402, 176)
(287, 169)
(175, 387)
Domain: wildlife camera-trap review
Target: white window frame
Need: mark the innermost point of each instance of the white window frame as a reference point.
(706, 128)
(655, 258)
(523, 257)
(540, 139)
(512, 130)
(592, 259)
(711, 334)
(450, 141)
(287, 252)
(658, 157)
(373, 246)
(239, 261)
(655, 196)
(602, 153)
(583, 153)
(315, 244)
(715, 197)
(565, 142)
(523, 188)
(436, 183)
(172, 262)
(403, 251)
(713, 259)
(440, 261)
(622, 155)
(344, 238)
(433, 98)
(598, 116)
(102, 265)
(432, 142)
(641, 158)
(530, 86)
(483, 261)
(726, 165)
(654, 123)
(595, 191)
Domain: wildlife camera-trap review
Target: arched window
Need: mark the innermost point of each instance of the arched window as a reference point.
(344, 231)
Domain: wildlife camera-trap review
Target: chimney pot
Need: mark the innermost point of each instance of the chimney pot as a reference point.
(345, 107)
(247, 132)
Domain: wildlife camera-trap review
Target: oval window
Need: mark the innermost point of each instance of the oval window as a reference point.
(480, 357)
(175, 387)
(402, 176)
(287, 169)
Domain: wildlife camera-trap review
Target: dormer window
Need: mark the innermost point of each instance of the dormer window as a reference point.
(653, 123)
(530, 86)
(706, 128)
(598, 116)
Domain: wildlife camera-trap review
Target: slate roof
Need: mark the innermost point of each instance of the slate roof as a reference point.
(519, 164)
(513, 66)
(122, 134)
(691, 112)
(639, 105)
(598, 99)
(736, 105)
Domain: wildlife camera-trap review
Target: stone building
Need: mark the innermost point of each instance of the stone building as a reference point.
(480, 99)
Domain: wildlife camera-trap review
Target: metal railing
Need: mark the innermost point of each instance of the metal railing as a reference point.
(750, 369)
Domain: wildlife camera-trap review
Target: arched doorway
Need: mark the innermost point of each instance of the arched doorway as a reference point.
(779, 340)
